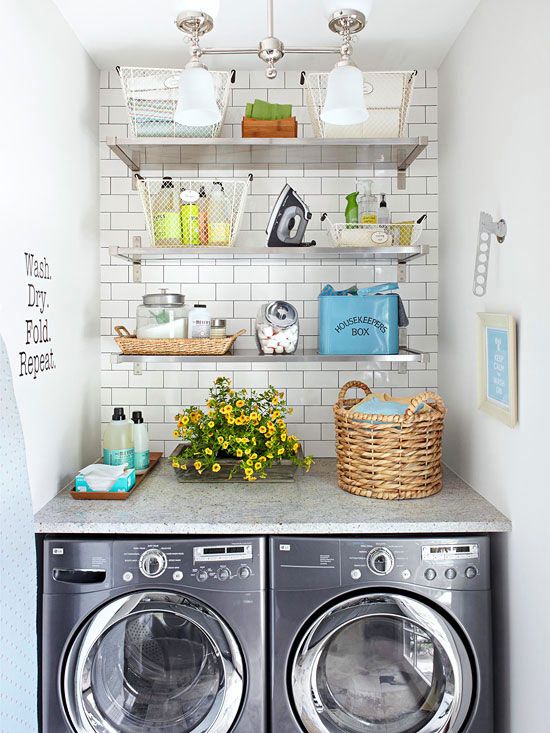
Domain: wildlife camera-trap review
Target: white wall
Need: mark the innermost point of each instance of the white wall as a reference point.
(49, 206)
(495, 156)
(235, 289)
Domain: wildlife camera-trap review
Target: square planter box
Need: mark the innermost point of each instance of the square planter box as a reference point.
(282, 472)
(269, 128)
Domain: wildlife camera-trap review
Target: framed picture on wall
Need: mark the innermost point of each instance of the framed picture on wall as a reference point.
(497, 366)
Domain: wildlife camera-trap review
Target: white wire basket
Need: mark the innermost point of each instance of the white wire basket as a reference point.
(398, 234)
(387, 97)
(151, 96)
(209, 215)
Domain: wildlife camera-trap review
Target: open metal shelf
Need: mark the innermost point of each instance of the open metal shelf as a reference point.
(397, 153)
(253, 357)
(396, 255)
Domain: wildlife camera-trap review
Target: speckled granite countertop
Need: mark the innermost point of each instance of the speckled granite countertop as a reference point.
(312, 505)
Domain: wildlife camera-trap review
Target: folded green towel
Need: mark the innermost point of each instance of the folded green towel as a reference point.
(261, 110)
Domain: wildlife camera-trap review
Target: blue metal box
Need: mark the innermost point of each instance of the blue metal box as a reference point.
(359, 324)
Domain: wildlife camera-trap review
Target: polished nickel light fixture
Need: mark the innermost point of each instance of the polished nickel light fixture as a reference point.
(344, 104)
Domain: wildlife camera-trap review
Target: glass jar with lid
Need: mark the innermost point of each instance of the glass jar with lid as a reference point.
(162, 316)
(277, 328)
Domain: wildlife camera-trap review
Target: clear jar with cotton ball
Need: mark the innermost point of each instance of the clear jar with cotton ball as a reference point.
(277, 328)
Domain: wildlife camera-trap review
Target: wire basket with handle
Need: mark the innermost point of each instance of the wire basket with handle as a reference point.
(389, 456)
(397, 234)
(193, 212)
(151, 96)
(387, 98)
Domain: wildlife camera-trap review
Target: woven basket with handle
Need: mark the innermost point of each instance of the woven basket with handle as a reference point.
(389, 456)
(131, 345)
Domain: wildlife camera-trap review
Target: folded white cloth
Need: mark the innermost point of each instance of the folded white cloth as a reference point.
(101, 477)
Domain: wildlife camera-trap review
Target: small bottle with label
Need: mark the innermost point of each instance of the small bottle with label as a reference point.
(198, 324)
(383, 211)
(141, 442)
(118, 443)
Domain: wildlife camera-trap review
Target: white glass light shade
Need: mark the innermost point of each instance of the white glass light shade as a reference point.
(197, 99)
(210, 7)
(345, 102)
(331, 6)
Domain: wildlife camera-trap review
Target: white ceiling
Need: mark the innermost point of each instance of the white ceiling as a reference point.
(401, 34)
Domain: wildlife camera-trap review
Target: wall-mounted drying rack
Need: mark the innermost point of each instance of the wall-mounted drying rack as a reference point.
(487, 227)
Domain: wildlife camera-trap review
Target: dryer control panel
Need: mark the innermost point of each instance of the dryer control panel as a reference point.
(460, 563)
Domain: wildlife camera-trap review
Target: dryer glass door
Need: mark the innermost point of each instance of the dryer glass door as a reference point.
(381, 663)
(153, 662)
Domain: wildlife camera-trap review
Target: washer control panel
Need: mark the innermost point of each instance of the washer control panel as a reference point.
(231, 565)
(222, 563)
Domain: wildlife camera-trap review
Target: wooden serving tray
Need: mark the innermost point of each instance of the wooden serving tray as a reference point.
(154, 458)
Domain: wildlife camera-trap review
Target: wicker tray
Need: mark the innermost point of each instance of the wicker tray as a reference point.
(131, 345)
(389, 456)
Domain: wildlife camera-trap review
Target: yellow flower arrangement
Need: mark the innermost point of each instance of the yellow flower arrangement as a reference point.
(238, 425)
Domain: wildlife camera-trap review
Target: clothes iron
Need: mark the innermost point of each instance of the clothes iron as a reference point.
(288, 221)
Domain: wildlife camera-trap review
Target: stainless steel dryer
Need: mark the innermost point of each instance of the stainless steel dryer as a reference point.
(153, 636)
(381, 635)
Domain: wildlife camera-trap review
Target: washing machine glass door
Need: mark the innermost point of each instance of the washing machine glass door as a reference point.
(153, 662)
(381, 663)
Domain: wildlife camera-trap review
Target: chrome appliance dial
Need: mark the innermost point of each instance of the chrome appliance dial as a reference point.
(153, 563)
(380, 561)
(202, 576)
(223, 574)
(245, 572)
(470, 572)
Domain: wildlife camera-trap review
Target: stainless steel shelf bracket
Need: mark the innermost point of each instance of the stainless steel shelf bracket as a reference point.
(402, 272)
(402, 366)
(134, 165)
(405, 162)
(136, 267)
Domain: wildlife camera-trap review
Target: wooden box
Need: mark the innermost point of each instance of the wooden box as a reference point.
(269, 128)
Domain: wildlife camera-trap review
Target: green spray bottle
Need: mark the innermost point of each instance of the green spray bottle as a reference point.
(352, 208)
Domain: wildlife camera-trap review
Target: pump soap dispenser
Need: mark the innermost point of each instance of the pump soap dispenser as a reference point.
(368, 204)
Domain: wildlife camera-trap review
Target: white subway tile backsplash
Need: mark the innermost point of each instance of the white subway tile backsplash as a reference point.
(165, 396)
(235, 289)
(114, 274)
(251, 274)
(252, 380)
(178, 379)
(124, 397)
(216, 274)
